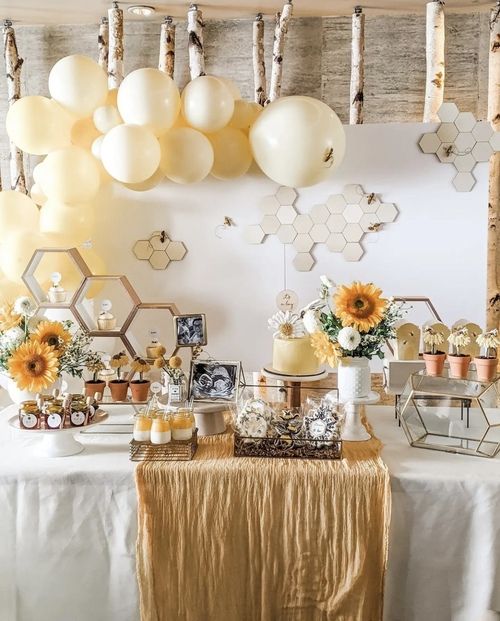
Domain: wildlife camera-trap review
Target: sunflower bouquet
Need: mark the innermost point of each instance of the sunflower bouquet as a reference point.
(34, 352)
(350, 321)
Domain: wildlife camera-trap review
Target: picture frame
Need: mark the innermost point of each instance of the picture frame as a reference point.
(190, 330)
(214, 381)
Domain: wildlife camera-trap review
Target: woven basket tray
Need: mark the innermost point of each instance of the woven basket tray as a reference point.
(176, 450)
(278, 447)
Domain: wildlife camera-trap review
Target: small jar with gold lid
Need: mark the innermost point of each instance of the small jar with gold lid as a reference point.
(29, 415)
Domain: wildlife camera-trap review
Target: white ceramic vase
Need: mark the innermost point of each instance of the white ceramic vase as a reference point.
(18, 396)
(354, 379)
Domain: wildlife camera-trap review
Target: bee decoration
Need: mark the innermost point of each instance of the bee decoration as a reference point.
(375, 226)
(328, 158)
(448, 150)
(370, 198)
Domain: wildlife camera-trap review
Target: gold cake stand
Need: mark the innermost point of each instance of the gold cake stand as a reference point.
(293, 383)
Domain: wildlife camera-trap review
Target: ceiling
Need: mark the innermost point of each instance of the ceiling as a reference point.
(90, 11)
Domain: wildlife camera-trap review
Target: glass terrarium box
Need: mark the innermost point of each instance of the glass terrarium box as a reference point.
(452, 415)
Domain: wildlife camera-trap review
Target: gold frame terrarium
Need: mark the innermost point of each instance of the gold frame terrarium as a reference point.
(452, 415)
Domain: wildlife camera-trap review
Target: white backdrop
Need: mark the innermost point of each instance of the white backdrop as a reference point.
(436, 247)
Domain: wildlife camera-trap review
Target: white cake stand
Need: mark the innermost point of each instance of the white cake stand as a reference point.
(58, 442)
(209, 418)
(354, 430)
(293, 383)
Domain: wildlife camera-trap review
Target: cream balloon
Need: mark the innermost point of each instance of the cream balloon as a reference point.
(187, 155)
(38, 125)
(18, 212)
(231, 86)
(70, 175)
(155, 179)
(83, 133)
(10, 290)
(106, 117)
(16, 250)
(38, 173)
(96, 147)
(79, 84)
(149, 97)
(297, 141)
(244, 114)
(70, 221)
(112, 98)
(130, 153)
(232, 154)
(207, 104)
(37, 194)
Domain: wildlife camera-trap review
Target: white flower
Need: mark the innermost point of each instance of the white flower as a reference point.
(349, 338)
(327, 282)
(310, 321)
(489, 340)
(24, 306)
(459, 337)
(13, 338)
(286, 325)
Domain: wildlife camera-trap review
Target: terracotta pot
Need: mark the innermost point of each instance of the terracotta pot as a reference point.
(118, 389)
(486, 369)
(140, 390)
(93, 386)
(459, 366)
(434, 363)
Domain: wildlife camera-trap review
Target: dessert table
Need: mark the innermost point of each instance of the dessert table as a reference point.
(68, 530)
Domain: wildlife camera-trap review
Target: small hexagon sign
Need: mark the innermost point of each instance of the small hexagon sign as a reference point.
(159, 250)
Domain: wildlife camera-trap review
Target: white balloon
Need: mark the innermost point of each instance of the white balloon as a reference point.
(37, 194)
(297, 141)
(207, 104)
(231, 86)
(106, 117)
(130, 153)
(96, 147)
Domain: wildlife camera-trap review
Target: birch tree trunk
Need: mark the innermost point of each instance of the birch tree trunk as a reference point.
(493, 265)
(357, 67)
(259, 65)
(102, 43)
(13, 66)
(434, 84)
(195, 42)
(280, 31)
(115, 59)
(166, 61)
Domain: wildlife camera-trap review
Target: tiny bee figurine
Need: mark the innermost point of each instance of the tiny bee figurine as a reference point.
(370, 198)
(448, 150)
(376, 226)
(329, 159)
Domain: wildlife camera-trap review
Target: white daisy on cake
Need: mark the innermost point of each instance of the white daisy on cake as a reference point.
(286, 325)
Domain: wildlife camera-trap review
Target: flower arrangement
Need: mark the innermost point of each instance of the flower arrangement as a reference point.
(433, 339)
(489, 342)
(286, 325)
(459, 337)
(95, 365)
(119, 362)
(140, 366)
(34, 352)
(172, 366)
(350, 321)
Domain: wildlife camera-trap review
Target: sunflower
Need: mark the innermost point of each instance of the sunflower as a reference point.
(51, 333)
(359, 305)
(324, 349)
(9, 318)
(34, 366)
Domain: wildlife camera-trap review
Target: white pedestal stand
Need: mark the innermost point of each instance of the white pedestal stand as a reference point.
(354, 430)
(210, 418)
(293, 383)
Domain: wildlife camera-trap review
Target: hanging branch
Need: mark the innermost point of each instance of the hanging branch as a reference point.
(280, 31)
(195, 42)
(13, 66)
(357, 67)
(259, 65)
(115, 59)
(434, 53)
(493, 252)
(166, 61)
(102, 43)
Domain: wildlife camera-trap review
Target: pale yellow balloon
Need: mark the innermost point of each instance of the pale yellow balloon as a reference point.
(231, 86)
(69, 221)
(207, 104)
(96, 147)
(232, 154)
(83, 133)
(16, 250)
(70, 175)
(155, 179)
(187, 155)
(38, 125)
(297, 141)
(130, 153)
(10, 290)
(18, 212)
(112, 98)
(79, 84)
(37, 194)
(106, 117)
(149, 97)
(37, 173)
(244, 114)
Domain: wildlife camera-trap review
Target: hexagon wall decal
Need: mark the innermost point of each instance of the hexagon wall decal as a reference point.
(460, 140)
(160, 250)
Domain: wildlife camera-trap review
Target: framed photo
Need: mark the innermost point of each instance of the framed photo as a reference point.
(214, 380)
(190, 330)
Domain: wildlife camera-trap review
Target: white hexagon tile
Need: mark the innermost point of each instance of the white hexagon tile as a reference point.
(341, 223)
(463, 141)
(159, 250)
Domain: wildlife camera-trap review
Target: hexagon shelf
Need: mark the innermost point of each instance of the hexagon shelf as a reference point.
(342, 223)
(161, 319)
(159, 250)
(463, 141)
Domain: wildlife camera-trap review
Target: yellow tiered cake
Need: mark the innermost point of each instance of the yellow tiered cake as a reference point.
(294, 356)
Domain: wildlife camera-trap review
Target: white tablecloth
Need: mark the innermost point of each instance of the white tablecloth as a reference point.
(68, 529)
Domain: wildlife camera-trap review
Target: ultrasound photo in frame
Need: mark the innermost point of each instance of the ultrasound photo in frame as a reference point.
(214, 380)
(190, 330)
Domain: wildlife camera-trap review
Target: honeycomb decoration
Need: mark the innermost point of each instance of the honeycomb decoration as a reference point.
(159, 250)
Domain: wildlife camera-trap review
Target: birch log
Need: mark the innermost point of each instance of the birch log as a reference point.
(13, 66)
(166, 62)
(434, 53)
(280, 31)
(357, 67)
(259, 65)
(195, 42)
(493, 266)
(115, 59)
(102, 43)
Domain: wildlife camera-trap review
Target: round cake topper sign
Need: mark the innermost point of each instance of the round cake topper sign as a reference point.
(287, 300)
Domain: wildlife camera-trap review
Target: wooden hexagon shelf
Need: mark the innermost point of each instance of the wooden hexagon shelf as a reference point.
(128, 337)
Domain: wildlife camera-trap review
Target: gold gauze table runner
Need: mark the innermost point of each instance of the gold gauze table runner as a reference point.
(224, 538)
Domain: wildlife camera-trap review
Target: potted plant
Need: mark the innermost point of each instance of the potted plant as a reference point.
(95, 385)
(119, 386)
(434, 358)
(459, 363)
(140, 387)
(486, 366)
